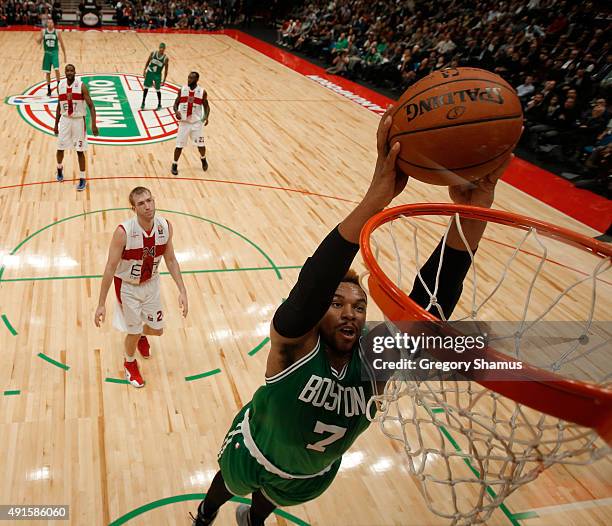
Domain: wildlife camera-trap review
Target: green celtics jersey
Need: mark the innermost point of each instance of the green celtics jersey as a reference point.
(156, 63)
(304, 418)
(50, 41)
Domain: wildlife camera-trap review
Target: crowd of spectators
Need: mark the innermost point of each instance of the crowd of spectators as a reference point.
(187, 14)
(138, 14)
(555, 53)
(30, 12)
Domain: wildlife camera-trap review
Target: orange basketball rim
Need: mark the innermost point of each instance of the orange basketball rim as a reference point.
(582, 403)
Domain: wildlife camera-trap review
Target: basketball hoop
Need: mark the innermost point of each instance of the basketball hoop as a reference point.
(509, 431)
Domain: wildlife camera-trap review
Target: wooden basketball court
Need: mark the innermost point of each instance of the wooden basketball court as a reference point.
(288, 159)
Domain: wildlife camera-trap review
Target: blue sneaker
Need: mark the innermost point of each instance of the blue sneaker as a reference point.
(82, 185)
(60, 175)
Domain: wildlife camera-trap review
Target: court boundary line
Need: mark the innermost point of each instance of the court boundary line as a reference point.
(197, 271)
(8, 325)
(195, 496)
(551, 510)
(53, 362)
(202, 375)
(259, 346)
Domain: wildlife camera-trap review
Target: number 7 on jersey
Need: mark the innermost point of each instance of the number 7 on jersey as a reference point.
(337, 433)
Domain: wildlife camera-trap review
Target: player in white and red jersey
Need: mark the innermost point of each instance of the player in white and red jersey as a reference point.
(70, 125)
(136, 250)
(192, 111)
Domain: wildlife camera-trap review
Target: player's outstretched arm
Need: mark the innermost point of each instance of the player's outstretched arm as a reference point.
(479, 193)
(114, 257)
(165, 70)
(294, 328)
(176, 107)
(57, 118)
(175, 271)
(92, 110)
(206, 106)
(456, 260)
(144, 71)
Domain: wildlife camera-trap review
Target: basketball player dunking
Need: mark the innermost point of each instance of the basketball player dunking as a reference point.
(285, 446)
(70, 126)
(191, 108)
(51, 40)
(133, 261)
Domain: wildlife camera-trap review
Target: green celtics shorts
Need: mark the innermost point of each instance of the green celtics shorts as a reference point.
(50, 60)
(152, 79)
(244, 475)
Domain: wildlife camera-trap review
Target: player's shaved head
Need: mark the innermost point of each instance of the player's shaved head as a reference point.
(193, 78)
(70, 72)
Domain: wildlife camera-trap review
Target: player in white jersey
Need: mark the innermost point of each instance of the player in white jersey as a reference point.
(70, 122)
(192, 111)
(133, 262)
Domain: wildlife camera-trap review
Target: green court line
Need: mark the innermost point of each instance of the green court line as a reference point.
(203, 271)
(241, 236)
(490, 491)
(525, 515)
(202, 375)
(116, 381)
(194, 496)
(259, 346)
(52, 361)
(8, 325)
(83, 214)
(13, 392)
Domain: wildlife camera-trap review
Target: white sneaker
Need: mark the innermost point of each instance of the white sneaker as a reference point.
(242, 515)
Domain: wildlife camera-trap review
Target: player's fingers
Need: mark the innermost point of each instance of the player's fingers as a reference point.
(382, 133)
(392, 157)
(383, 130)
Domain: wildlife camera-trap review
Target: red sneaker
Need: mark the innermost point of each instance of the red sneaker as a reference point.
(132, 374)
(143, 347)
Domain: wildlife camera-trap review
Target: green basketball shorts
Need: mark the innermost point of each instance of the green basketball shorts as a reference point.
(50, 60)
(244, 475)
(152, 79)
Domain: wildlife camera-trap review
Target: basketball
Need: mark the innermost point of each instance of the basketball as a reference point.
(193, 194)
(456, 125)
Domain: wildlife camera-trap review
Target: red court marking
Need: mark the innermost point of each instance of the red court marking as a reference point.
(161, 125)
(589, 208)
(201, 179)
(283, 189)
(144, 124)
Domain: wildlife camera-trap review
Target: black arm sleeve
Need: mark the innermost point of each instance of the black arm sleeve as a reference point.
(455, 266)
(312, 294)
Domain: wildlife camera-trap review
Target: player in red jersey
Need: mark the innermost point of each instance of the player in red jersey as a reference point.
(136, 250)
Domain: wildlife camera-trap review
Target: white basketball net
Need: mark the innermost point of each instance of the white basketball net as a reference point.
(470, 447)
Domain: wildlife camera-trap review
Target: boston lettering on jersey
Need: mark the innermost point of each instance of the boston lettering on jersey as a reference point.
(491, 95)
(331, 396)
